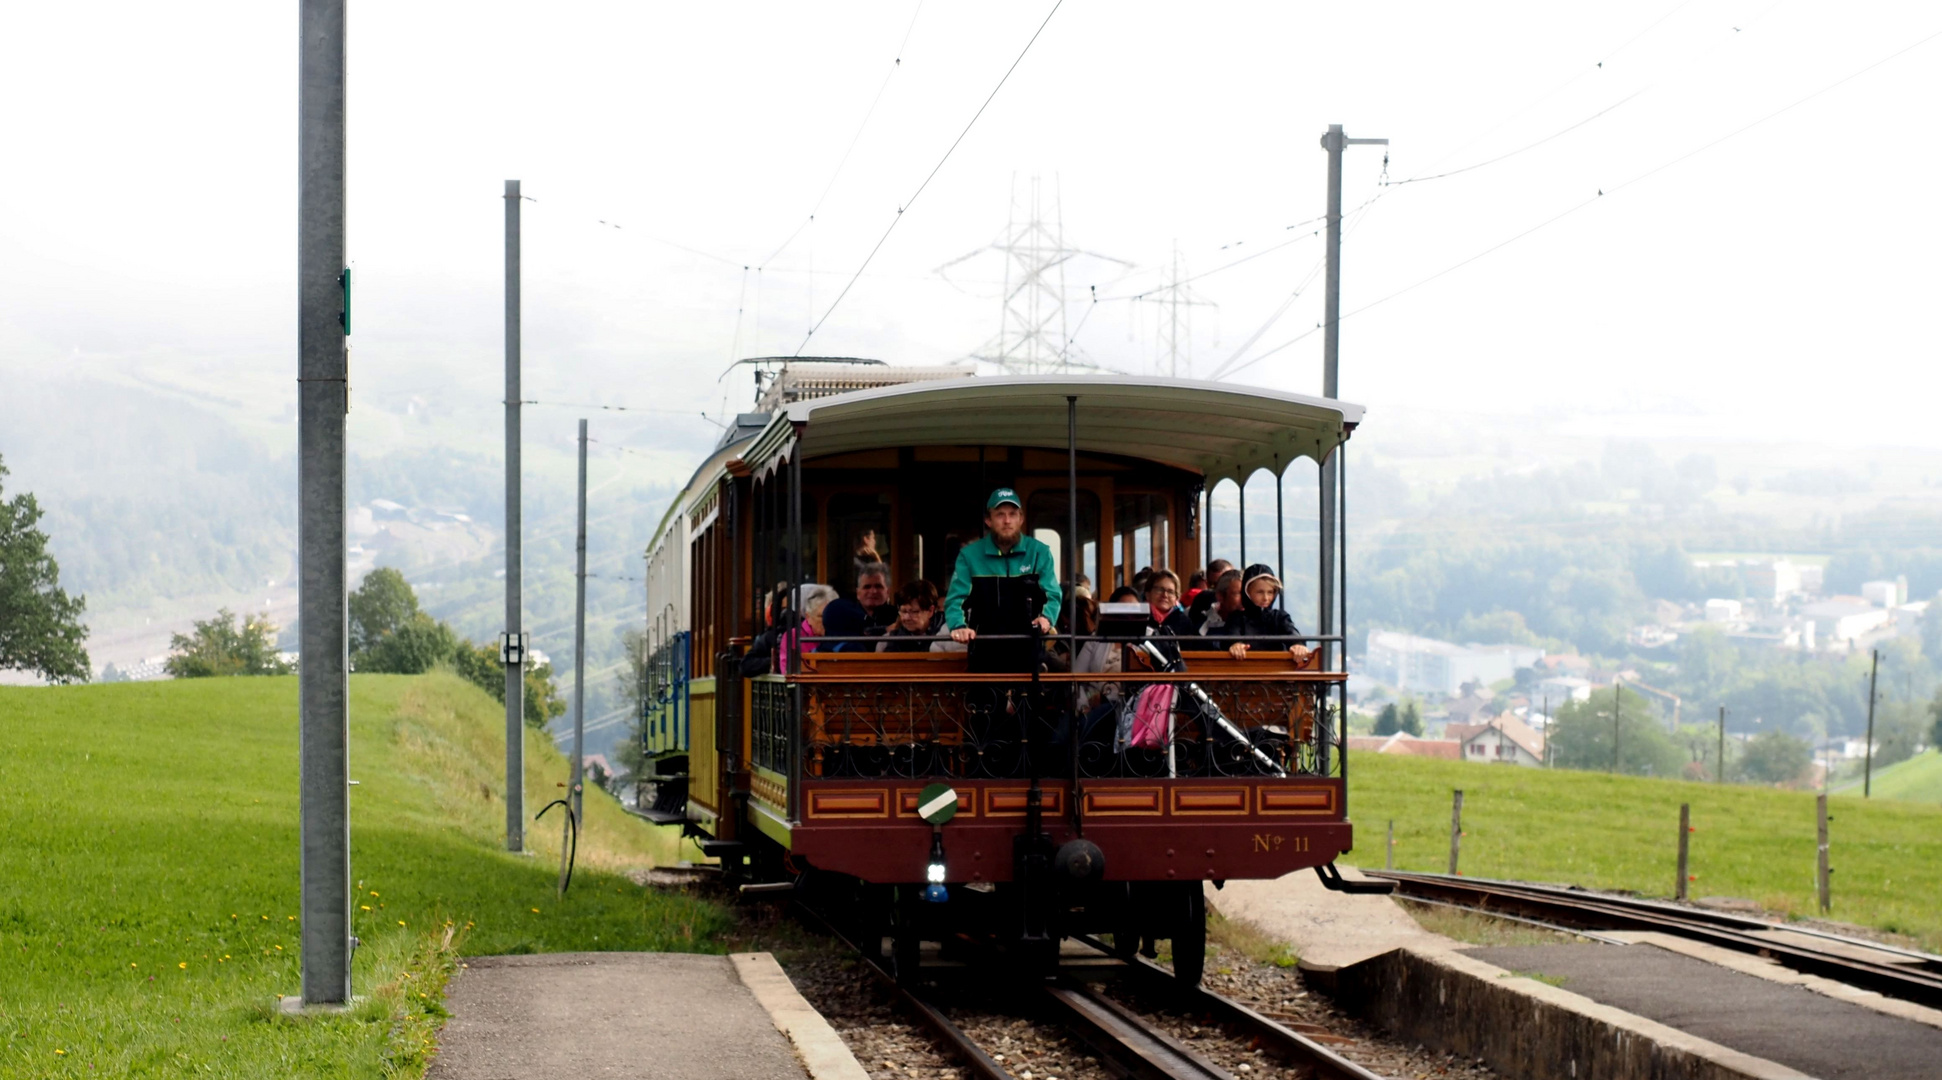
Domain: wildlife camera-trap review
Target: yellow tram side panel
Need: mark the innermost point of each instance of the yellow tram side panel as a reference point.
(704, 766)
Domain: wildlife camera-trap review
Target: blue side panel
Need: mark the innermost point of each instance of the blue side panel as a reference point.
(664, 728)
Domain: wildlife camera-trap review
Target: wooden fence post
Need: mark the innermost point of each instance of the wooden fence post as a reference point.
(1456, 829)
(1685, 831)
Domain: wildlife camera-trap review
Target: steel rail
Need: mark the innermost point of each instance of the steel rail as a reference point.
(1119, 1033)
(949, 1036)
(1292, 1045)
(1922, 985)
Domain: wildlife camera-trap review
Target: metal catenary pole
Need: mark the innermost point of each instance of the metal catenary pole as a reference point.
(323, 397)
(1721, 778)
(1821, 869)
(1333, 141)
(580, 634)
(1616, 708)
(1868, 759)
(513, 644)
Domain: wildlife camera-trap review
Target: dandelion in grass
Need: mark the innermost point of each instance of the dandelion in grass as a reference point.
(184, 965)
(401, 922)
(364, 907)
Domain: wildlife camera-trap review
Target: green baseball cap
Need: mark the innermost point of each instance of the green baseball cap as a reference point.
(1001, 496)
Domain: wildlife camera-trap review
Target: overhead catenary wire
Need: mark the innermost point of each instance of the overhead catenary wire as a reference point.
(928, 177)
(1598, 197)
(897, 64)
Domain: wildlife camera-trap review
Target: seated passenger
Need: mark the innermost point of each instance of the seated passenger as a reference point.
(869, 615)
(1196, 584)
(918, 616)
(1259, 617)
(1167, 618)
(812, 601)
(1227, 603)
(1003, 552)
(1205, 601)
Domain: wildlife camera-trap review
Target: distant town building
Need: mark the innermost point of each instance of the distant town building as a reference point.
(1427, 666)
(1881, 593)
(1504, 740)
(1812, 579)
(1770, 579)
(1558, 689)
(1843, 619)
(1652, 636)
(1407, 745)
(1722, 611)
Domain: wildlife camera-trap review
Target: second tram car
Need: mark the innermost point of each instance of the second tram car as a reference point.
(829, 772)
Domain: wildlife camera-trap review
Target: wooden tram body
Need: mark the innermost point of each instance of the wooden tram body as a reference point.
(814, 773)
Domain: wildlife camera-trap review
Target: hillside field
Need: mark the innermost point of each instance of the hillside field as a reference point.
(1919, 779)
(1621, 832)
(148, 916)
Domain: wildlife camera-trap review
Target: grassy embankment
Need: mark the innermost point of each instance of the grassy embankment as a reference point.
(1622, 832)
(149, 875)
(1918, 779)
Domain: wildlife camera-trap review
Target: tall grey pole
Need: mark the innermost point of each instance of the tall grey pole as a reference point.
(1334, 142)
(580, 631)
(323, 397)
(1721, 778)
(515, 648)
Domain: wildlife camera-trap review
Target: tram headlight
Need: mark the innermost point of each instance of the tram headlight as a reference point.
(934, 873)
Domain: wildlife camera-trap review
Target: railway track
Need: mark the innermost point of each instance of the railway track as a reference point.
(1129, 1044)
(1893, 972)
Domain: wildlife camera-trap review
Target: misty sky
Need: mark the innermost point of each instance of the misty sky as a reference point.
(1775, 285)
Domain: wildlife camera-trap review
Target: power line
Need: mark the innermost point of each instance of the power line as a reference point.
(896, 66)
(908, 203)
(1602, 192)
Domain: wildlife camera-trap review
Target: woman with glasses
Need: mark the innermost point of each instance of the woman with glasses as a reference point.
(918, 617)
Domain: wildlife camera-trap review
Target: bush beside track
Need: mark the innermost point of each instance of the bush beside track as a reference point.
(1618, 832)
(149, 877)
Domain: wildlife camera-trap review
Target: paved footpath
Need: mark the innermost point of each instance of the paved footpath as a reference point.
(677, 1016)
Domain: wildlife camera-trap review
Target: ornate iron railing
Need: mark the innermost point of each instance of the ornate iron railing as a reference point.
(770, 712)
(985, 730)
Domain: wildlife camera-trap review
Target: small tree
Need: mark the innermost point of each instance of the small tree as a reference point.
(1582, 737)
(40, 624)
(1412, 718)
(220, 646)
(1775, 757)
(1387, 721)
(480, 665)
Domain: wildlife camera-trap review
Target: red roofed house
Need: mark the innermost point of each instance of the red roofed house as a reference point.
(1502, 739)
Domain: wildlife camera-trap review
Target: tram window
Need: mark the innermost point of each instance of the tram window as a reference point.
(858, 521)
(1140, 525)
(1048, 517)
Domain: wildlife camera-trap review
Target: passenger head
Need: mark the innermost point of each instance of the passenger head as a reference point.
(1196, 580)
(1004, 515)
(811, 600)
(872, 584)
(1227, 593)
(1088, 610)
(1163, 591)
(1218, 567)
(1125, 594)
(1260, 585)
(916, 605)
(1140, 578)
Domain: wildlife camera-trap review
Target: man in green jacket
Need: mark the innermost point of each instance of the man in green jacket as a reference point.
(1003, 551)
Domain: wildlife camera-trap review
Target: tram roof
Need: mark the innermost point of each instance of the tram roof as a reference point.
(1218, 429)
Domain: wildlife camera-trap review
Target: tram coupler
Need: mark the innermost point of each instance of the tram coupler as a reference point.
(1031, 867)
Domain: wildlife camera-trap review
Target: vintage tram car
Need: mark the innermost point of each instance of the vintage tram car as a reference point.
(817, 774)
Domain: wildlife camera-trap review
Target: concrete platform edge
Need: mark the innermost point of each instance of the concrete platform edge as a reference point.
(1774, 971)
(1524, 1027)
(823, 1052)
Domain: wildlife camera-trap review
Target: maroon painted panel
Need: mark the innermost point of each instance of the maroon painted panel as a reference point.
(1149, 830)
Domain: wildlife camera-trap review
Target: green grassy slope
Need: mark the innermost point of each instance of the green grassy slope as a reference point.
(1622, 832)
(1919, 779)
(149, 878)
